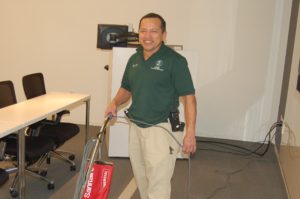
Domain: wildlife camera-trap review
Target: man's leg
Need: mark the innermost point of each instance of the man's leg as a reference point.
(160, 156)
(153, 155)
(137, 160)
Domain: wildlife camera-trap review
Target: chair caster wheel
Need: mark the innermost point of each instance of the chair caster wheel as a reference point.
(72, 157)
(50, 186)
(13, 193)
(43, 173)
(73, 168)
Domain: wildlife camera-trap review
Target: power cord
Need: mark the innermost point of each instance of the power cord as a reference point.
(239, 150)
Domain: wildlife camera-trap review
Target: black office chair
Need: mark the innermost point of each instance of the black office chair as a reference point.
(36, 148)
(60, 132)
(4, 173)
(3, 176)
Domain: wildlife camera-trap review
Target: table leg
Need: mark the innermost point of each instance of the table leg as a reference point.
(87, 120)
(21, 162)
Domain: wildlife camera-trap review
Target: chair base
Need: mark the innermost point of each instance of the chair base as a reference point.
(37, 171)
(13, 190)
(61, 155)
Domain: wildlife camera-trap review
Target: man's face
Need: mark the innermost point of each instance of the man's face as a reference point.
(151, 35)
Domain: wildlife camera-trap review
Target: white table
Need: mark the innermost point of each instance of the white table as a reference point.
(17, 117)
(7, 128)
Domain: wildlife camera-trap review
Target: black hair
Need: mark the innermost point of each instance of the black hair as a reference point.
(154, 15)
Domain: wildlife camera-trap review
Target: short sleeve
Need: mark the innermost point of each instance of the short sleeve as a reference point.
(182, 78)
(125, 81)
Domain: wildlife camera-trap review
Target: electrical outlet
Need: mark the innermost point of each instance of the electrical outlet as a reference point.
(285, 134)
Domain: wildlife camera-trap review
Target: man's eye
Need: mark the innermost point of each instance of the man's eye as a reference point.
(150, 31)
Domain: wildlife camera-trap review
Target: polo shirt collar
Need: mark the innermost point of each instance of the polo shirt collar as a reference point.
(162, 48)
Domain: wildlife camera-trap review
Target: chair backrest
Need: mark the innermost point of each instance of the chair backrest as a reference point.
(7, 94)
(34, 85)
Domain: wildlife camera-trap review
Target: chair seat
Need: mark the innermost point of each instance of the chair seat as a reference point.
(35, 147)
(60, 132)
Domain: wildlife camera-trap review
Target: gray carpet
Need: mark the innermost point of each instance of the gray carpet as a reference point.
(216, 173)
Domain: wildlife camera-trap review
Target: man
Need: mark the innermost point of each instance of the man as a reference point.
(154, 78)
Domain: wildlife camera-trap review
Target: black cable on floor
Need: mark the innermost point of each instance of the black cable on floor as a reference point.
(239, 150)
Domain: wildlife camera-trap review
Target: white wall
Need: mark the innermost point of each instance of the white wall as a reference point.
(241, 57)
(241, 46)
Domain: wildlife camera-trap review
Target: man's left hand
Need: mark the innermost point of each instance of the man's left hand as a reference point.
(189, 144)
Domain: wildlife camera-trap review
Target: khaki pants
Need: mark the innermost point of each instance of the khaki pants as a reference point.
(153, 153)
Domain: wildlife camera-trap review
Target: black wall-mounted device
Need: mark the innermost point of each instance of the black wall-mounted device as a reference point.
(110, 35)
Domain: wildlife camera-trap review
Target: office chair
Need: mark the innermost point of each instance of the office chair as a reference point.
(3, 176)
(60, 132)
(36, 148)
(4, 173)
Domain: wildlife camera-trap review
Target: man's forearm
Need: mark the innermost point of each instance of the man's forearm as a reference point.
(190, 109)
(121, 97)
(189, 140)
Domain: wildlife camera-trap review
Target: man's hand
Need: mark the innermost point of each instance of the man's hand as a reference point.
(189, 144)
(111, 109)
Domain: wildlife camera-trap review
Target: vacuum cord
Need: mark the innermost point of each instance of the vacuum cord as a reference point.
(239, 150)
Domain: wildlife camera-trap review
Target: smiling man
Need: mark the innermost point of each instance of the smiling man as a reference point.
(155, 77)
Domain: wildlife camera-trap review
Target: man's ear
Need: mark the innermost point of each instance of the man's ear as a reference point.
(164, 36)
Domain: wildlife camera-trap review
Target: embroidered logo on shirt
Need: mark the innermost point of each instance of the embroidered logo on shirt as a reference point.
(158, 65)
(134, 65)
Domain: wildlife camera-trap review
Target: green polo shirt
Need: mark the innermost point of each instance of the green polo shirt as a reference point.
(156, 84)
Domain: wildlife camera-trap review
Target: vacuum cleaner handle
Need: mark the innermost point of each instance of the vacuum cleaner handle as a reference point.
(103, 127)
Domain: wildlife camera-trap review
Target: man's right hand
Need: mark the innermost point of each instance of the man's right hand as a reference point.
(111, 109)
